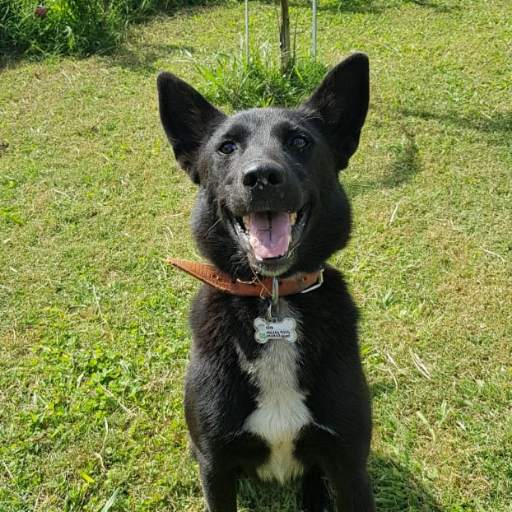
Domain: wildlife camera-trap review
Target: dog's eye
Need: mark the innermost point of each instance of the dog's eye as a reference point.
(299, 142)
(227, 147)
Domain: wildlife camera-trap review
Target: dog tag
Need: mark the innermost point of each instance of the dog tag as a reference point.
(274, 330)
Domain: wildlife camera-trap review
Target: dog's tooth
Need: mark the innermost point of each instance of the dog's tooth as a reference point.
(246, 219)
(293, 218)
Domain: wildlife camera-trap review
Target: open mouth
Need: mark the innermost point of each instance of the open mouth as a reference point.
(271, 236)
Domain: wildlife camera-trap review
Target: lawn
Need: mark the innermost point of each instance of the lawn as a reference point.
(94, 337)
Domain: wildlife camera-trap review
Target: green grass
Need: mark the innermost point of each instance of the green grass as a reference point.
(94, 338)
(258, 81)
(73, 27)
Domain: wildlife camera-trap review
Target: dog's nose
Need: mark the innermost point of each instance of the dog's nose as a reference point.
(262, 175)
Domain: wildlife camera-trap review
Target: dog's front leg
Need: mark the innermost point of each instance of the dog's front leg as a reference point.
(315, 494)
(353, 490)
(219, 488)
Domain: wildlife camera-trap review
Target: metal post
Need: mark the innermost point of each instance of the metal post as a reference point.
(314, 30)
(247, 31)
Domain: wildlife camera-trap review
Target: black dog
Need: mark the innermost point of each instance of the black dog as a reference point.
(275, 386)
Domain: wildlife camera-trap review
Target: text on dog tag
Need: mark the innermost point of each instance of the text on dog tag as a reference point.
(274, 330)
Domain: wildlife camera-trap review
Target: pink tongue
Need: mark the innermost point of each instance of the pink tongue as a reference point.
(269, 234)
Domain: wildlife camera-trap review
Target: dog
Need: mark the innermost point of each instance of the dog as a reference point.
(275, 387)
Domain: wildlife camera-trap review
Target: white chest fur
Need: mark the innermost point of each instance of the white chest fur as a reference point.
(281, 412)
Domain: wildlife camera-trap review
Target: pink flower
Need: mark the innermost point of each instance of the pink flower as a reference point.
(41, 11)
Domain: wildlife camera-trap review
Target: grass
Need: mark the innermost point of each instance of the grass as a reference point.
(258, 81)
(94, 338)
(73, 27)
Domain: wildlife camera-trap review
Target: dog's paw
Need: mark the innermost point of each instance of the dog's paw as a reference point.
(317, 508)
(314, 508)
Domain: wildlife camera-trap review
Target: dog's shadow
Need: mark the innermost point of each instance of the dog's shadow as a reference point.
(405, 163)
(396, 489)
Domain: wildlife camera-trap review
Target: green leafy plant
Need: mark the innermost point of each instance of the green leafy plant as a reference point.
(242, 83)
(72, 27)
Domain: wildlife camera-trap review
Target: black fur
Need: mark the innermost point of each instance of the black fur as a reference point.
(275, 160)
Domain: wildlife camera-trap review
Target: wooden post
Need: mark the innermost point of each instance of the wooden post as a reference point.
(284, 36)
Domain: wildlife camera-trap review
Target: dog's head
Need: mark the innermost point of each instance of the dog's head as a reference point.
(269, 198)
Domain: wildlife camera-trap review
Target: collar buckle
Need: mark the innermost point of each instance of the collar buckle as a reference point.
(319, 282)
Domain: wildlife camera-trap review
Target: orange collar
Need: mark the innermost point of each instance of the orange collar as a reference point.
(262, 288)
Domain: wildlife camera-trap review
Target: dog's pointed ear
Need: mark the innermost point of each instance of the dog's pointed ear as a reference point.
(187, 117)
(341, 103)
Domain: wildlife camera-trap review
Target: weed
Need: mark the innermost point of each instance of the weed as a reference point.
(242, 83)
(72, 27)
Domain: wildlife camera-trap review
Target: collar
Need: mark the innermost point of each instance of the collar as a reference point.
(263, 288)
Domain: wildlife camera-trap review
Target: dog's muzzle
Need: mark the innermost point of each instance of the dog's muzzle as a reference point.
(270, 238)
(268, 216)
